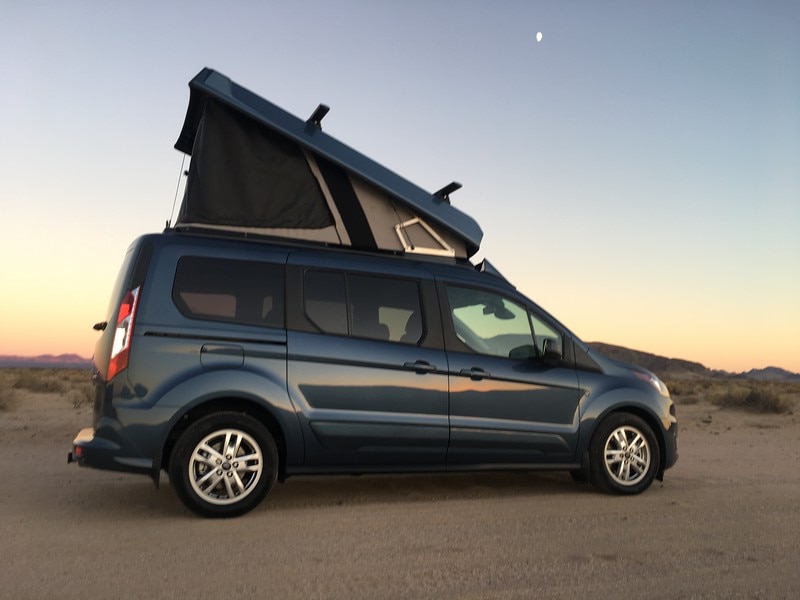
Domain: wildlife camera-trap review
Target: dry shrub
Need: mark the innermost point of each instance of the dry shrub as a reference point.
(74, 384)
(758, 398)
(676, 388)
(35, 380)
(688, 391)
(692, 399)
(6, 398)
(81, 393)
(80, 397)
(75, 376)
(743, 394)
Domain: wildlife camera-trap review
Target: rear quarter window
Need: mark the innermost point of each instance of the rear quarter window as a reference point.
(230, 291)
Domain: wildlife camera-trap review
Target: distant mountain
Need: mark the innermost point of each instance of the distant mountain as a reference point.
(670, 368)
(70, 361)
(660, 365)
(771, 374)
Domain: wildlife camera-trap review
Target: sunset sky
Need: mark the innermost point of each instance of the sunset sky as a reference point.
(637, 172)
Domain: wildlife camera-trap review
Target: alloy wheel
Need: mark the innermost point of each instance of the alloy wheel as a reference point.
(225, 466)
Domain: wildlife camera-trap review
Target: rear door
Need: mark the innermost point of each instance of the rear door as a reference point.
(366, 366)
(508, 405)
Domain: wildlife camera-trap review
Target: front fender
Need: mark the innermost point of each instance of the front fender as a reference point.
(650, 406)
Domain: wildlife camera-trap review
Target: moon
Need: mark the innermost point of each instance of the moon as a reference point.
(538, 36)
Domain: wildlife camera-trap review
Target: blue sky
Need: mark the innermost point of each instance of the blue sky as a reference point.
(635, 172)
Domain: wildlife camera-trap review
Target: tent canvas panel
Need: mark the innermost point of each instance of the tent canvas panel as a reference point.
(384, 214)
(245, 174)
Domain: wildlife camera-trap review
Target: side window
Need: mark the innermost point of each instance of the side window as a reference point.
(488, 323)
(234, 291)
(542, 334)
(378, 308)
(326, 301)
(385, 309)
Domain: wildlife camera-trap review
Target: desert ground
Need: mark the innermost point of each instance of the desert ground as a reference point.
(725, 523)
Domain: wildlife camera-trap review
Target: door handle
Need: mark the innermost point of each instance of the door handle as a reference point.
(475, 373)
(420, 366)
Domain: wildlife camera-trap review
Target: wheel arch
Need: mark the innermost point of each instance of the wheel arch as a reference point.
(607, 405)
(228, 403)
(262, 395)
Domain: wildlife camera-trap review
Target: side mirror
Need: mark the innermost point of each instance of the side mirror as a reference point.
(523, 352)
(552, 350)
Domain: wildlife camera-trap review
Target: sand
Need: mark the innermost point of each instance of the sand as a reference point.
(724, 524)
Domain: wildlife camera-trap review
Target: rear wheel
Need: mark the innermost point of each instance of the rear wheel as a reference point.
(624, 455)
(223, 465)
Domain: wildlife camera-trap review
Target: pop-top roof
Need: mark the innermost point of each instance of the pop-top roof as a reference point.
(243, 145)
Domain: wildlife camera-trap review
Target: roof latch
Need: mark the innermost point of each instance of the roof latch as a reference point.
(444, 193)
(315, 120)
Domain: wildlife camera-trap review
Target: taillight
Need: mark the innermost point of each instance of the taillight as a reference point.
(123, 333)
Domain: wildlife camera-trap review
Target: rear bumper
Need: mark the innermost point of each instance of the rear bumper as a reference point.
(83, 439)
(91, 450)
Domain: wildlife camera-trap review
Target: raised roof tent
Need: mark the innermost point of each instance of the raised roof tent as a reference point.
(256, 168)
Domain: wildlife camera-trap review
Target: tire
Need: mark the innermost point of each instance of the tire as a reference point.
(214, 483)
(624, 455)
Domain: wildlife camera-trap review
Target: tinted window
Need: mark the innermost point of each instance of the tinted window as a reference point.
(326, 301)
(378, 308)
(235, 291)
(488, 323)
(542, 333)
(385, 309)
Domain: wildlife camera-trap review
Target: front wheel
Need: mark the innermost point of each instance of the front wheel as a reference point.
(223, 465)
(624, 455)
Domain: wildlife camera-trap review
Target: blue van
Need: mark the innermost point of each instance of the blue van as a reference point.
(230, 363)
(345, 332)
